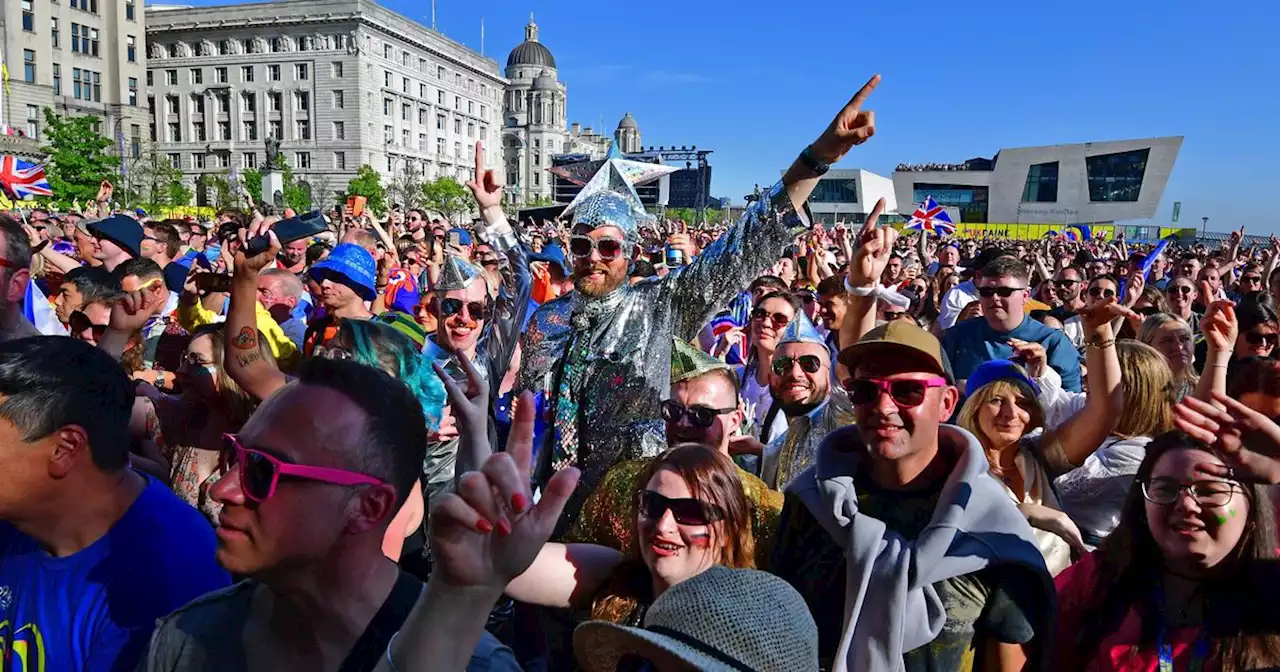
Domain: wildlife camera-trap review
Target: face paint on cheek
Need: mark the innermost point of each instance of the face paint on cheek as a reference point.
(1232, 511)
(701, 540)
(1223, 519)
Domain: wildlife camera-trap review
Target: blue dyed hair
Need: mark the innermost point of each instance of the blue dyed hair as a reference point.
(383, 347)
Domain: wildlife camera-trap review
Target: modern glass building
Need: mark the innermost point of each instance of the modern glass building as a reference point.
(1086, 183)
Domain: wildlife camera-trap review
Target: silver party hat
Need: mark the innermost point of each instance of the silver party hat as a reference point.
(801, 330)
(610, 198)
(456, 273)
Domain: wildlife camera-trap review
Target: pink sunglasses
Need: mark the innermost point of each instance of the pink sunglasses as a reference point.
(260, 472)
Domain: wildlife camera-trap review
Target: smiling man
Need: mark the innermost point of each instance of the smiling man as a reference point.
(603, 351)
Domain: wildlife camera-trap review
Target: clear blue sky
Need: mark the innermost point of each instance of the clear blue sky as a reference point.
(756, 81)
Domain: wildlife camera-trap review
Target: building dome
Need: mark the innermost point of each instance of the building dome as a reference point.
(627, 122)
(531, 51)
(544, 82)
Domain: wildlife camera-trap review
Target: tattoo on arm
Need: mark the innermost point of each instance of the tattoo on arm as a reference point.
(247, 339)
(248, 358)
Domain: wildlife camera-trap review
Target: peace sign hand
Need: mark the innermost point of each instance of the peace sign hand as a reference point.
(470, 409)
(852, 126)
(484, 187)
(1248, 441)
(489, 532)
(875, 245)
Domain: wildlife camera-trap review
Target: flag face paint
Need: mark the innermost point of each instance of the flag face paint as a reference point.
(701, 540)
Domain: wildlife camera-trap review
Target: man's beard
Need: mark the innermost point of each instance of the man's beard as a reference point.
(595, 288)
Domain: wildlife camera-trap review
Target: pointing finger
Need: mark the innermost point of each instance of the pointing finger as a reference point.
(861, 96)
(479, 160)
(870, 224)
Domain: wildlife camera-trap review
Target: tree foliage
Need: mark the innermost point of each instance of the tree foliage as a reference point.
(252, 178)
(78, 160)
(447, 196)
(540, 202)
(368, 183)
(153, 182)
(406, 187)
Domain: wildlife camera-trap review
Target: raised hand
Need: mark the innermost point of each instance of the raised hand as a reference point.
(852, 126)
(251, 266)
(1103, 313)
(105, 189)
(1219, 326)
(1248, 441)
(485, 187)
(874, 247)
(490, 531)
(133, 309)
(470, 409)
(1032, 355)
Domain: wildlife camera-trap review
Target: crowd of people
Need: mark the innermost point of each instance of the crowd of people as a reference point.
(607, 442)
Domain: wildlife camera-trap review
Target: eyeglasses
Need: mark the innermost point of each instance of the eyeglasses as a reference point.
(686, 510)
(808, 364)
(260, 472)
(904, 393)
(1002, 292)
(450, 307)
(78, 322)
(609, 248)
(1165, 491)
(1099, 292)
(699, 416)
(778, 319)
(1258, 338)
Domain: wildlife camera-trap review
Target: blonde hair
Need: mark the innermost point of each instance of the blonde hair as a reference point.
(1148, 391)
(973, 406)
(1150, 329)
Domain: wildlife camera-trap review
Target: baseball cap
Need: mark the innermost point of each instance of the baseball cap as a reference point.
(998, 369)
(553, 254)
(464, 236)
(122, 230)
(900, 335)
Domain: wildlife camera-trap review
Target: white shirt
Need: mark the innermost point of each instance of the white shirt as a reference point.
(954, 301)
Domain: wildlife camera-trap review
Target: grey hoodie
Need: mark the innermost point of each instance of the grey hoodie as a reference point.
(890, 579)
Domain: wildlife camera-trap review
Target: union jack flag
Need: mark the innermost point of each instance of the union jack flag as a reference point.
(22, 179)
(932, 218)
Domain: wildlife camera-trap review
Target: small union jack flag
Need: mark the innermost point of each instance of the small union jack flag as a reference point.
(932, 218)
(22, 179)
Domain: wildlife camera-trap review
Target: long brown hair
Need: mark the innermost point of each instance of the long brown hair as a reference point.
(1129, 569)
(713, 478)
(238, 405)
(1148, 390)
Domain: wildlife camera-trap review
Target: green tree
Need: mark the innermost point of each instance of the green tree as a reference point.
(252, 179)
(368, 183)
(406, 187)
(177, 193)
(540, 202)
(151, 180)
(447, 196)
(78, 160)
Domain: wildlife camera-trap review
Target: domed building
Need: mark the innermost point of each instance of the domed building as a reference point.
(534, 115)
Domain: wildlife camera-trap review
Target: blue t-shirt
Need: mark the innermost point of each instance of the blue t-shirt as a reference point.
(95, 610)
(973, 342)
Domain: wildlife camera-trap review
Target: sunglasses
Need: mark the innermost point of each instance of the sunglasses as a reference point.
(1098, 292)
(805, 297)
(686, 510)
(451, 307)
(260, 473)
(1066, 283)
(699, 416)
(1002, 292)
(904, 393)
(808, 364)
(778, 319)
(78, 322)
(1251, 279)
(1256, 338)
(1181, 289)
(609, 248)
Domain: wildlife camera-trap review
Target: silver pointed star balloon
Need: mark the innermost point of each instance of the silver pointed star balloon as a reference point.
(609, 197)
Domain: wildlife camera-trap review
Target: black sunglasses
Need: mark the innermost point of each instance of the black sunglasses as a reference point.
(808, 364)
(779, 320)
(1255, 338)
(699, 416)
(1002, 292)
(1251, 279)
(1065, 283)
(477, 310)
(1098, 292)
(1180, 289)
(609, 248)
(686, 510)
(78, 322)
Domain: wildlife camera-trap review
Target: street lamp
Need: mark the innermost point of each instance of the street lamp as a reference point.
(1204, 222)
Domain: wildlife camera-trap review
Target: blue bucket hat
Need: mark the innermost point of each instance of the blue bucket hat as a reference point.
(353, 266)
(553, 254)
(998, 369)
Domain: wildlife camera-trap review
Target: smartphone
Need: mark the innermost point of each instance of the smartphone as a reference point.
(289, 230)
(454, 239)
(214, 282)
(356, 205)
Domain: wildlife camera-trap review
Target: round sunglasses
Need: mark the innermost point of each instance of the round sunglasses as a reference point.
(904, 393)
(260, 473)
(778, 319)
(451, 307)
(609, 248)
(699, 416)
(686, 510)
(808, 364)
(1100, 293)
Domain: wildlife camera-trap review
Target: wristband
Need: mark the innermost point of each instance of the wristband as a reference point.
(885, 294)
(40, 248)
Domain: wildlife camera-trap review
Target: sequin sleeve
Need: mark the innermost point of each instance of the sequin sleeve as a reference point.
(510, 310)
(725, 267)
(606, 517)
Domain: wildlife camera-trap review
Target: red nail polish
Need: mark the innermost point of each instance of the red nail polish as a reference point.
(484, 526)
(504, 528)
(518, 503)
